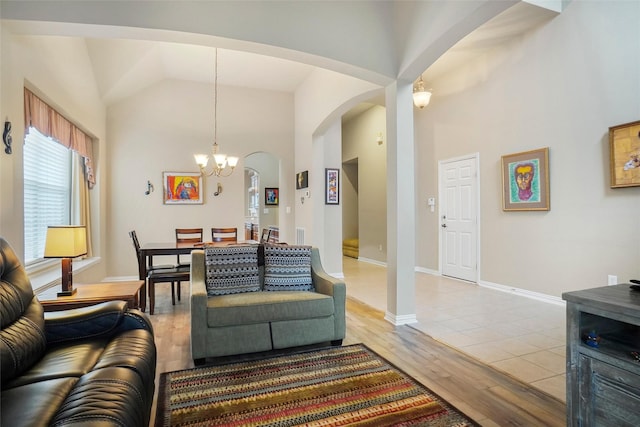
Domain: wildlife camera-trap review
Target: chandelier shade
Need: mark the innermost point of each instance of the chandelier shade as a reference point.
(421, 96)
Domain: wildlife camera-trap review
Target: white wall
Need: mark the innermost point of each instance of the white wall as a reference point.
(320, 102)
(58, 70)
(359, 141)
(562, 86)
(350, 219)
(159, 130)
(331, 229)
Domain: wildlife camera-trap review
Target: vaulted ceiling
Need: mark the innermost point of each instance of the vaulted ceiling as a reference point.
(123, 66)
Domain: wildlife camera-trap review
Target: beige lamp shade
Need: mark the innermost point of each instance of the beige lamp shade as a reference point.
(65, 241)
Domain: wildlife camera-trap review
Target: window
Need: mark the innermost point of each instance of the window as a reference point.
(47, 191)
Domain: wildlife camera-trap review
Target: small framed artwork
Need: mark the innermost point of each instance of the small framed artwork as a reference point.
(525, 181)
(332, 187)
(302, 180)
(182, 188)
(624, 148)
(271, 196)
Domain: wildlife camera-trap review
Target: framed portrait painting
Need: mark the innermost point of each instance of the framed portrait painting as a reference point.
(624, 149)
(182, 188)
(271, 196)
(332, 187)
(525, 181)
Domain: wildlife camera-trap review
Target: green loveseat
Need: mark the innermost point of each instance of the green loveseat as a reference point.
(262, 320)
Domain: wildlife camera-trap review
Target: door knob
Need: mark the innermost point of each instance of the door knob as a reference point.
(444, 226)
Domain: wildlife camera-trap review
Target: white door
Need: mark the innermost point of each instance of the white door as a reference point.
(458, 181)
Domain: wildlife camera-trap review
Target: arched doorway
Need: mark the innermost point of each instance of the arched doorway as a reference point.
(262, 171)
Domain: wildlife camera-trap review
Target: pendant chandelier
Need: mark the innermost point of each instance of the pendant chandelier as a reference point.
(223, 164)
(421, 96)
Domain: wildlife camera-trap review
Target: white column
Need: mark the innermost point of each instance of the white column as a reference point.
(400, 204)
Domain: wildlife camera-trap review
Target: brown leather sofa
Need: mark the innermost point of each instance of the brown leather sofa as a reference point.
(87, 366)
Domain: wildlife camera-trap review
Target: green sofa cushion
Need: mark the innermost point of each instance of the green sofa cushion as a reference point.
(260, 307)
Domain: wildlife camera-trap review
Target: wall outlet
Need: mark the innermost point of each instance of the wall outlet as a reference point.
(612, 280)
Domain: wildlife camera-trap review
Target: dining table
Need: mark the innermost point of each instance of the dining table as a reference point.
(149, 250)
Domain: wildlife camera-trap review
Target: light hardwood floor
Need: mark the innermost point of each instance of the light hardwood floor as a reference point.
(490, 397)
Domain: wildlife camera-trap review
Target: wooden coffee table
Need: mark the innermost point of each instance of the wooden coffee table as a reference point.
(89, 294)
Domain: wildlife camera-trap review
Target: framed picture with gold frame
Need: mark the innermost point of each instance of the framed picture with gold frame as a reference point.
(624, 157)
(182, 188)
(525, 181)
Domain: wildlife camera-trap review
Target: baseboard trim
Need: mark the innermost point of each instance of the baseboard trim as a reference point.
(404, 319)
(372, 261)
(550, 299)
(427, 271)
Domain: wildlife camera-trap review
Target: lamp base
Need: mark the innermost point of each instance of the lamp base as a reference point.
(67, 293)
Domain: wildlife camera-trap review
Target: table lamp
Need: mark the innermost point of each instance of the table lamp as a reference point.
(66, 242)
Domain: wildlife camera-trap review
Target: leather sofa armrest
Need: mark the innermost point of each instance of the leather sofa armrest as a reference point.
(103, 319)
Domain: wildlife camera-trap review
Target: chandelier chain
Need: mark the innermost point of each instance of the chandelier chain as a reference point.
(223, 165)
(215, 99)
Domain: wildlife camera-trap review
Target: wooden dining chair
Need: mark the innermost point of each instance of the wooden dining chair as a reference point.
(274, 236)
(265, 235)
(168, 273)
(174, 276)
(150, 265)
(150, 268)
(228, 234)
(187, 235)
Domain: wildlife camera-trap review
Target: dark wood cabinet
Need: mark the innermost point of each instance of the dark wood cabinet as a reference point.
(603, 357)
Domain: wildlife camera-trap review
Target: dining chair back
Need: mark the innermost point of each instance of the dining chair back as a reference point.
(150, 266)
(156, 274)
(173, 276)
(274, 235)
(187, 235)
(228, 234)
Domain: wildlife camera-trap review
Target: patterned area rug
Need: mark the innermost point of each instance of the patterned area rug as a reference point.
(338, 386)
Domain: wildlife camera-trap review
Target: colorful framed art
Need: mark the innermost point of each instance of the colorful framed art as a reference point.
(271, 196)
(624, 148)
(182, 188)
(332, 186)
(525, 181)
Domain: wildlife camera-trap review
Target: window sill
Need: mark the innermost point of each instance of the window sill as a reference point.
(45, 276)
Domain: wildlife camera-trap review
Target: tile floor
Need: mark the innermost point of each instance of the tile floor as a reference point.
(517, 335)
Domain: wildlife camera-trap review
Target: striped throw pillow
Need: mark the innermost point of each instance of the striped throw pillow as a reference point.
(232, 269)
(287, 268)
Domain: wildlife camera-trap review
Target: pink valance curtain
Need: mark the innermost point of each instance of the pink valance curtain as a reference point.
(49, 122)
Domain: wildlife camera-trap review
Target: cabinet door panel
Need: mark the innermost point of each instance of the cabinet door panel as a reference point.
(610, 396)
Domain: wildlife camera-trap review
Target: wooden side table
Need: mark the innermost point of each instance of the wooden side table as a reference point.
(89, 294)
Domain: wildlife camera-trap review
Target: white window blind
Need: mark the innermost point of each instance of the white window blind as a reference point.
(47, 191)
